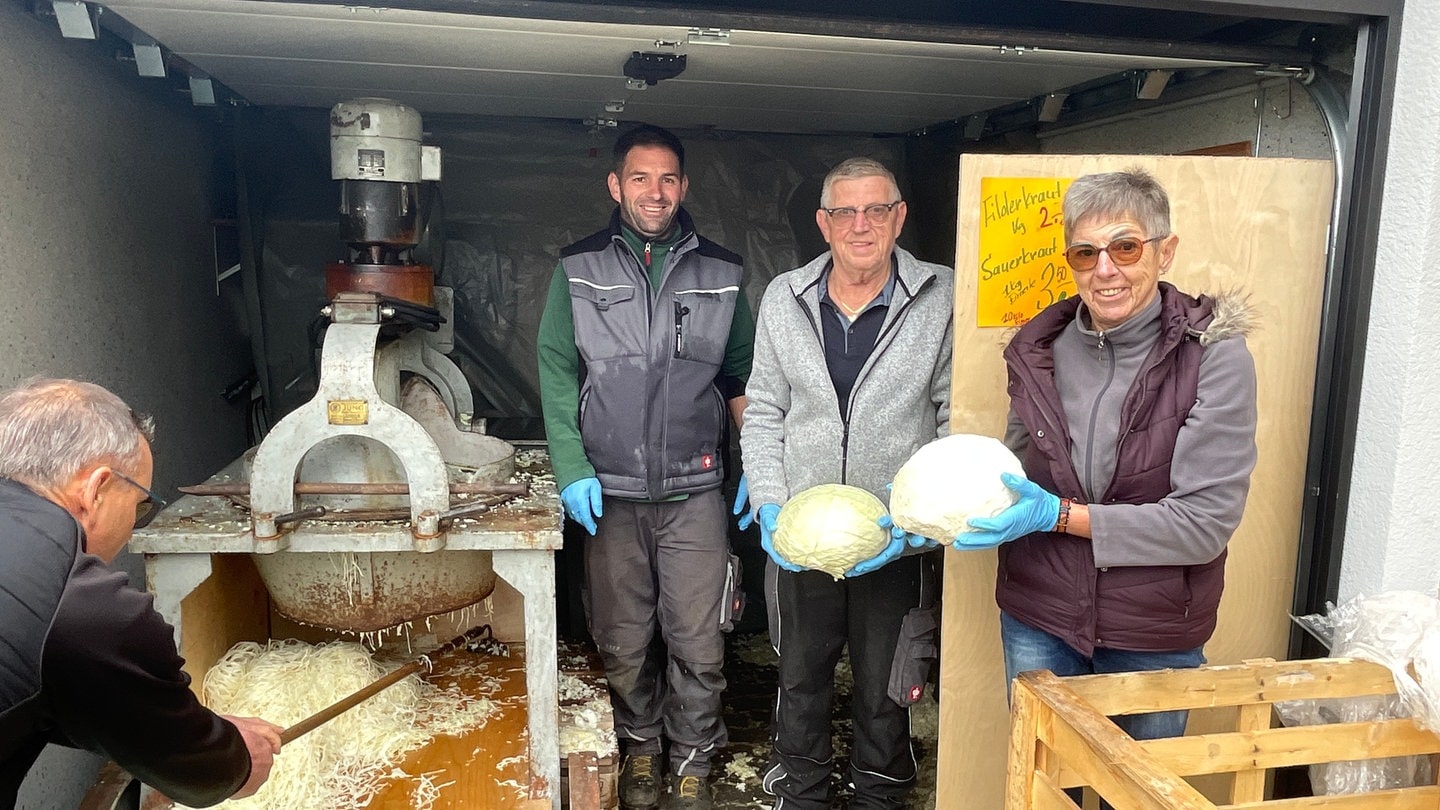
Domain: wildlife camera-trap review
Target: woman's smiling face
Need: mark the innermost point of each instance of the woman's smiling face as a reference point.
(1114, 293)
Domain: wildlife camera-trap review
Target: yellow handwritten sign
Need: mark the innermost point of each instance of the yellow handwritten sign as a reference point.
(1022, 246)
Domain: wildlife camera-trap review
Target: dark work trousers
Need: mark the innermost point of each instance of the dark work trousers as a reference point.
(662, 566)
(812, 618)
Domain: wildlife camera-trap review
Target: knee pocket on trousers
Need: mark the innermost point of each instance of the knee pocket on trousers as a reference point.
(699, 655)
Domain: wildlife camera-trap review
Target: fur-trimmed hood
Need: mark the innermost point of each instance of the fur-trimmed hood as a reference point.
(1232, 315)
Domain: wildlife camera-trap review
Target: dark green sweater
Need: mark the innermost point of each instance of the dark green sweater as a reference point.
(560, 359)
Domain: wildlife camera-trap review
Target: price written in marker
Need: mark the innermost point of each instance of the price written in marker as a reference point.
(1022, 245)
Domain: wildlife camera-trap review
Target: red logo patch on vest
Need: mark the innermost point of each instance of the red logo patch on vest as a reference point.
(707, 461)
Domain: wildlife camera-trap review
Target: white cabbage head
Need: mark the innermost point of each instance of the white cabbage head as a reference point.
(949, 481)
(830, 528)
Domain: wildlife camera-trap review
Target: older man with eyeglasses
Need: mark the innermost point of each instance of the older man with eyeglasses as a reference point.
(85, 661)
(851, 376)
(1132, 408)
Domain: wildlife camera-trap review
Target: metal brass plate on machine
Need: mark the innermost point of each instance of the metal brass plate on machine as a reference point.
(347, 412)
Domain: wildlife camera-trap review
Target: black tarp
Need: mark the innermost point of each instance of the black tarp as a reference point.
(513, 193)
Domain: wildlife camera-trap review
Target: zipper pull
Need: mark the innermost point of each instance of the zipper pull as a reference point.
(647, 254)
(1100, 347)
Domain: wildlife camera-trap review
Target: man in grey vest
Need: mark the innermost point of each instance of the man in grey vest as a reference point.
(644, 347)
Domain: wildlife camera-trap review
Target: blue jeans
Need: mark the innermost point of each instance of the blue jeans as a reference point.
(1027, 648)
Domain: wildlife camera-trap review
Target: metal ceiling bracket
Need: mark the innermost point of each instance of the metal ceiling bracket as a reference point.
(149, 59)
(709, 36)
(1151, 83)
(975, 126)
(202, 91)
(1300, 73)
(1050, 106)
(74, 19)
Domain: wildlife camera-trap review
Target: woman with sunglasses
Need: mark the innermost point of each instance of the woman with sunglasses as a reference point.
(1132, 408)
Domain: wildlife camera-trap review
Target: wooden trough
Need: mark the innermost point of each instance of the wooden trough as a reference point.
(1061, 737)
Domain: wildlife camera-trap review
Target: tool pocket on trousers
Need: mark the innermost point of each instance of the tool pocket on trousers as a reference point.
(916, 652)
(732, 604)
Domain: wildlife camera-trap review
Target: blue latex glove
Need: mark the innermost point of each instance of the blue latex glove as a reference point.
(582, 502)
(896, 547)
(911, 539)
(766, 516)
(742, 504)
(1036, 511)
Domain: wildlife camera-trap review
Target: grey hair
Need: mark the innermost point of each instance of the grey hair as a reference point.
(52, 429)
(1114, 194)
(852, 169)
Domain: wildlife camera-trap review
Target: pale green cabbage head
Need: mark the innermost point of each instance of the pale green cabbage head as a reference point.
(830, 528)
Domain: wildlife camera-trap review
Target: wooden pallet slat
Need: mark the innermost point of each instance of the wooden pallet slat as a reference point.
(1114, 763)
(1416, 798)
(1232, 685)
(584, 778)
(1301, 745)
(1249, 784)
(1062, 736)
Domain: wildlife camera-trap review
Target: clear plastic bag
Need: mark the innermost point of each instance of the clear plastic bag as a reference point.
(1401, 631)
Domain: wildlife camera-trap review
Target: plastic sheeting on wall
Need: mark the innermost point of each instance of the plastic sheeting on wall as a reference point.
(512, 194)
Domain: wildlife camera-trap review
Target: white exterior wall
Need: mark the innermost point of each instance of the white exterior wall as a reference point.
(1390, 537)
(106, 269)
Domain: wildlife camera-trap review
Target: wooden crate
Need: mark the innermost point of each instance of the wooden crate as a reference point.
(1061, 737)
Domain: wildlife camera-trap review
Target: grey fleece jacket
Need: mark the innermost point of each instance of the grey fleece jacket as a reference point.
(795, 436)
(1214, 450)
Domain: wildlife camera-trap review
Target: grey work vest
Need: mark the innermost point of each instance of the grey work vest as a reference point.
(651, 417)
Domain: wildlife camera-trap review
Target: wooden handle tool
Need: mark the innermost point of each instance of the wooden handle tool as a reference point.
(345, 704)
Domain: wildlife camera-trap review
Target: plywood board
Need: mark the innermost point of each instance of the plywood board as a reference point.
(225, 609)
(1258, 225)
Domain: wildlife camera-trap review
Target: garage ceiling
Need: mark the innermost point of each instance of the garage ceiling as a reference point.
(313, 55)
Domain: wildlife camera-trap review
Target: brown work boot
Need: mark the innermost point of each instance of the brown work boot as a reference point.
(688, 793)
(639, 789)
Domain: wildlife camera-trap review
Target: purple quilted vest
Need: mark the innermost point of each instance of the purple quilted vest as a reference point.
(1049, 581)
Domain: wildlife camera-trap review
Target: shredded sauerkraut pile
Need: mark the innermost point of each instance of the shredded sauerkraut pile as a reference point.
(344, 762)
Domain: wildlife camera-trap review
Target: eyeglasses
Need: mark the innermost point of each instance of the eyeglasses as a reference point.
(1124, 251)
(145, 510)
(878, 212)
